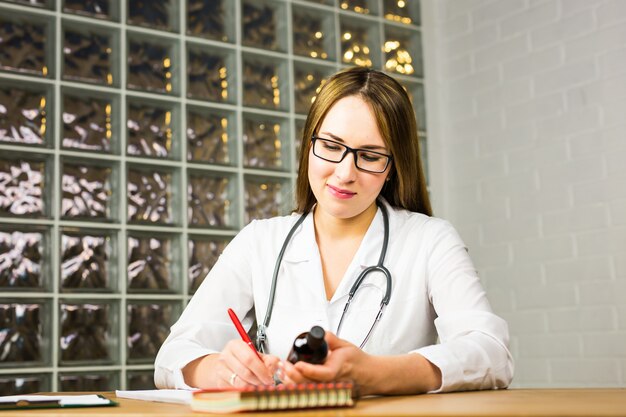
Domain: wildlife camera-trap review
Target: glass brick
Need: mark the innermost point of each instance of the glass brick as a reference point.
(88, 122)
(262, 82)
(23, 115)
(203, 253)
(89, 55)
(359, 43)
(263, 25)
(264, 198)
(100, 9)
(263, 143)
(24, 384)
(149, 196)
(359, 6)
(416, 95)
(25, 45)
(402, 11)
(140, 380)
(23, 333)
(22, 187)
(403, 53)
(150, 129)
(210, 137)
(22, 259)
(210, 200)
(36, 3)
(88, 332)
(211, 19)
(210, 74)
(155, 14)
(313, 33)
(150, 263)
(308, 81)
(325, 2)
(88, 381)
(85, 261)
(86, 192)
(148, 326)
(151, 64)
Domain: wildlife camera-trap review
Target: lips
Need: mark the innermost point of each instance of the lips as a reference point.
(340, 193)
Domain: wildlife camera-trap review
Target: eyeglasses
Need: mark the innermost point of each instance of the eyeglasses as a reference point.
(365, 160)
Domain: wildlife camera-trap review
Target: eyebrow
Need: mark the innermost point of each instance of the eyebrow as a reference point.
(368, 147)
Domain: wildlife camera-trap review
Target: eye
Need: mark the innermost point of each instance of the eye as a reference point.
(331, 146)
(370, 157)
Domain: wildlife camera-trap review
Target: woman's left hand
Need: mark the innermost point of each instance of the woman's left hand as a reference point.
(345, 361)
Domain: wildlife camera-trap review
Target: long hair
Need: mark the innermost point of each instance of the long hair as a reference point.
(406, 187)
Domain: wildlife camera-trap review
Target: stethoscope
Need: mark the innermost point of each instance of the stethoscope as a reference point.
(261, 335)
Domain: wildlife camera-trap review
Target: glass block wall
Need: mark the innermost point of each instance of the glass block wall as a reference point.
(136, 138)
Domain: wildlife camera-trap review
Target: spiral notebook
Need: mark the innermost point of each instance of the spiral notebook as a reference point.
(280, 397)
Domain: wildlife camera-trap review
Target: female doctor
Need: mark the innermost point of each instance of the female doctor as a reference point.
(362, 206)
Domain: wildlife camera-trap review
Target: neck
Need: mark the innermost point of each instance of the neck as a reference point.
(340, 229)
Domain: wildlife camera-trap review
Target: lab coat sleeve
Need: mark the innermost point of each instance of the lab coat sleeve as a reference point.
(204, 326)
(473, 350)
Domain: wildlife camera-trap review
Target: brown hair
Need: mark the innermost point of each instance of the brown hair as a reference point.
(406, 187)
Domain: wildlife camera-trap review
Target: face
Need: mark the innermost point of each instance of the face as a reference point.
(341, 189)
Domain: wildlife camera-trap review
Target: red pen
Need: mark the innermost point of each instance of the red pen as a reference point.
(242, 332)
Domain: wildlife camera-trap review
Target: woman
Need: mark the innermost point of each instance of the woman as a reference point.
(360, 164)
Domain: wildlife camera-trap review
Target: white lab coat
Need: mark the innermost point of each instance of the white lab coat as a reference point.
(435, 292)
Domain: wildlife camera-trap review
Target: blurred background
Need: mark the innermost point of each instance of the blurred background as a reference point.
(137, 138)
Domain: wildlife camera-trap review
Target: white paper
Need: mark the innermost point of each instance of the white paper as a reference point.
(64, 400)
(178, 396)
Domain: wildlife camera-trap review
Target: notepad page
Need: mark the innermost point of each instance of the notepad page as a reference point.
(177, 396)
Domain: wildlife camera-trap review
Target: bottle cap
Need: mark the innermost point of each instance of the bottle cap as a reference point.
(315, 337)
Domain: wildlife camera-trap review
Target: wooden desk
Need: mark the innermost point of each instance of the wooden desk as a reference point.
(513, 402)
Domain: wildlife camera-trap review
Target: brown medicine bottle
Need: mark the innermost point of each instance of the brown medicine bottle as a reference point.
(309, 347)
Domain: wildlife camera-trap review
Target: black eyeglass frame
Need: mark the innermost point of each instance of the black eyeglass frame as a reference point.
(353, 151)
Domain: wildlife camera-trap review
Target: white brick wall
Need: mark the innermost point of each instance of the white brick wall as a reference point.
(527, 118)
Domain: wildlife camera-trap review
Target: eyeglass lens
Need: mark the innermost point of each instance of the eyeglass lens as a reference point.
(335, 152)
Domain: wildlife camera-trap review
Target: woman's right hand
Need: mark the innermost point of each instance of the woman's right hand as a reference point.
(237, 365)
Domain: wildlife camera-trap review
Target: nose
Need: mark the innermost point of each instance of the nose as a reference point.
(346, 170)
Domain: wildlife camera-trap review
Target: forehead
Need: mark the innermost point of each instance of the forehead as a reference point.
(352, 119)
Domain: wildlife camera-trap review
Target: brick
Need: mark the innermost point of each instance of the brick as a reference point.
(544, 200)
(594, 191)
(468, 213)
(537, 108)
(537, 15)
(565, 76)
(616, 162)
(614, 114)
(579, 269)
(617, 212)
(570, 122)
(551, 345)
(602, 293)
(611, 12)
(569, 7)
(581, 320)
(508, 186)
(545, 249)
(513, 276)
(492, 166)
(501, 301)
(607, 241)
(535, 62)
(605, 345)
(563, 30)
(501, 52)
(479, 81)
(594, 43)
(603, 93)
(587, 372)
(545, 297)
(523, 323)
(452, 9)
(620, 267)
(510, 230)
(575, 219)
(503, 94)
(462, 108)
(495, 10)
(479, 38)
(571, 172)
(531, 372)
(509, 139)
(621, 317)
(491, 255)
(458, 67)
(605, 140)
(613, 63)
(456, 26)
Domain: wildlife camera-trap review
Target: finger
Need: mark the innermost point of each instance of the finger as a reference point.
(247, 365)
(290, 374)
(271, 362)
(334, 342)
(316, 372)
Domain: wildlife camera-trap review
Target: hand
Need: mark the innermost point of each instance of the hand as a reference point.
(345, 361)
(237, 365)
